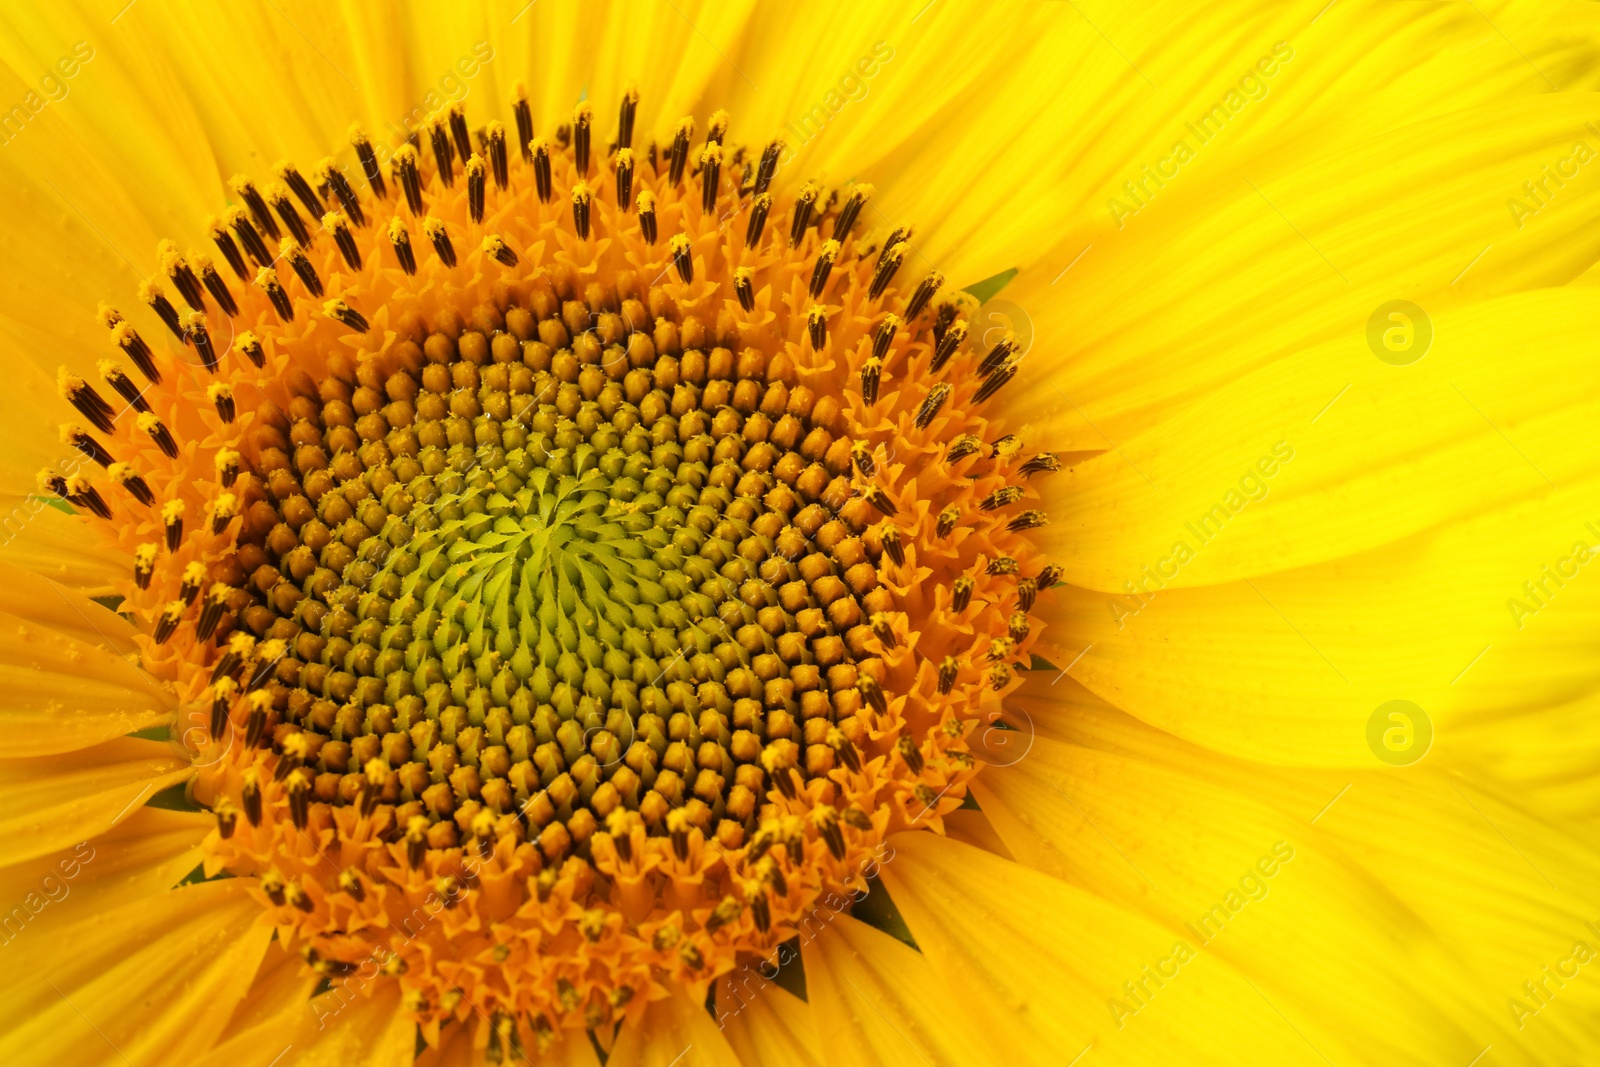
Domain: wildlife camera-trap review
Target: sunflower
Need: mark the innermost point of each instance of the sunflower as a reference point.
(693, 534)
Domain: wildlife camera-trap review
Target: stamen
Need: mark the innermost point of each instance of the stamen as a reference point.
(267, 279)
(227, 466)
(331, 175)
(899, 235)
(930, 406)
(246, 190)
(961, 593)
(624, 177)
(851, 210)
(133, 482)
(884, 335)
(226, 245)
(870, 372)
(476, 180)
(159, 433)
(1043, 463)
(212, 280)
(369, 162)
(53, 483)
(581, 199)
(443, 152)
(181, 276)
(144, 564)
(629, 107)
(744, 288)
(717, 128)
(919, 300)
(458, 129)
(495, 247)
(769, 166)
(948, 518)
(948, 310)
(441, 241)
(222, 396)
(952, 339)
(1028, 520)
(248, 237)
(193, 575)
(82, 493)
(519, 106)
(342, 312)
(167, 621)
(582, 120)
(339, 226)
(680, 151)
(647, 216)
(893, 549)
(710, 176)
(991, 385)
(823, 267)
(79, 438)
(134, 346)
(495, 135)
(884, 274)
(292, 251)
(290, 214)
(817, 327)
(1001, 352)
(290, 175)
(249, 346)
(759, 207)
(151, 294)
(81, 395)
(802, 213)
(404, 168)
(963, 446)
(540, 151)
(1005, 495)
(400, 238)
(681, 257)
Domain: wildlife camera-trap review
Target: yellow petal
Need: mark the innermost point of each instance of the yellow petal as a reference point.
(765, 1024)
(673, 1031)
(353, 1023)
(146, 854)
(63, 694)
(151, 981)
(878, 1001)
(1329, 452)
(1224, 276)
(37, 537)
(1461, 878)
(41, 599)
(1293, 667)
(55, 801)
(1045, 964)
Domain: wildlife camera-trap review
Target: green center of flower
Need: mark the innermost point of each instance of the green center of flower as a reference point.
(569, 583)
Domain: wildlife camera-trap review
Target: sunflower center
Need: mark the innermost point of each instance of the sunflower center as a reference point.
(573, 566)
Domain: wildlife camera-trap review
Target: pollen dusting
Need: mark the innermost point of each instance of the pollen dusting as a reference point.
(572, 562)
